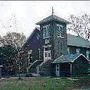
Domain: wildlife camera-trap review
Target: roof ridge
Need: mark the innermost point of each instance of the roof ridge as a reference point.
(79, 37)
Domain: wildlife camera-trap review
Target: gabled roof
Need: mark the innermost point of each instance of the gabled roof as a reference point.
(32, 37)
(68, 58)
(78, 41)
(52, 18)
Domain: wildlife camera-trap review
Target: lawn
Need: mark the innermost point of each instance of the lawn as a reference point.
(44, 83)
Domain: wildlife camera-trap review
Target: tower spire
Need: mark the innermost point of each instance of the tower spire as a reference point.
(52, 11)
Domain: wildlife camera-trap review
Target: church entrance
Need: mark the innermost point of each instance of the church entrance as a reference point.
(65, 69)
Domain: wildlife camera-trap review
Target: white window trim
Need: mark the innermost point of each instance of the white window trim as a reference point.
(60, 26)
(78, 50)
(68, 49)
(46, 41)
(87, 54)
(46, 54)
(57, 70)
(30, 52)
(46, 27)
(47, 46)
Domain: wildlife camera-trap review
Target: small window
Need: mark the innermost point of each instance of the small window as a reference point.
(87, 54)
(46, 41)
(30, 52)
(47, 48)
(45, 54)
(68, 50)
(78, 51)
(49, 54)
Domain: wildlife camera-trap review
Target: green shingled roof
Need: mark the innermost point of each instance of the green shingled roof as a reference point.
(73, 40)
(52, 18)
(68, 58)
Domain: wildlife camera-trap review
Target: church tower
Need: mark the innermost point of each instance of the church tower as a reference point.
(53, 37)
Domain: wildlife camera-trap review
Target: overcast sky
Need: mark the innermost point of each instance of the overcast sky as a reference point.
(30, 12)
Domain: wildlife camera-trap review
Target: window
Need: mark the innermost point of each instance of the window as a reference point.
(46, 31)
(68, 50)
(47, 48)
(30, 52)
(77, 50)
(49, 54)
(46, 41)
(45, 54)
(59, 30)
(29, 56)
(87, 54)
(57, 67)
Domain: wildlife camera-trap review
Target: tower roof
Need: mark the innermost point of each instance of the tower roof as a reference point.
(53, 18)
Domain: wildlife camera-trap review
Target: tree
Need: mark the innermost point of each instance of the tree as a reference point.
(80, 25)
(14, 39)
(7, 54)
(10, 49)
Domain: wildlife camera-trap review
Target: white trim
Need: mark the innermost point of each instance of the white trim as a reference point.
(77, 50)
(47, 46)
(79, 56)
(1, 66)
(87, 54)
(57, 70)
(68, 50)
(70, 68)
(46, 55)
(29, 51)
(60, 36)
(47, 41)
(33, 63)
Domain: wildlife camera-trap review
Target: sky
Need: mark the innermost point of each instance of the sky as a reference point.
(22, 16)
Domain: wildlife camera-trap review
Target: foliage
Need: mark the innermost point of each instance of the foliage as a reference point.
(7, 54)
(80, 25)
(14, 39)
(10, 48)
(21, 60)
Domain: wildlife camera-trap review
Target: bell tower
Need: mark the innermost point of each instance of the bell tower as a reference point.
(53, 37)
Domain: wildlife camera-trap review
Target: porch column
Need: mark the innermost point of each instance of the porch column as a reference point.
(71, 68)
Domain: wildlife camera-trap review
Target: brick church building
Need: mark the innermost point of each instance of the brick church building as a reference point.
(53, 52)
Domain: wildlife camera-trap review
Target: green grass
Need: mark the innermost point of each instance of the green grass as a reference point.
(44, 83)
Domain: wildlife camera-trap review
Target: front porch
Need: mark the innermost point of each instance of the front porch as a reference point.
(71, 65)
(63, 69)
